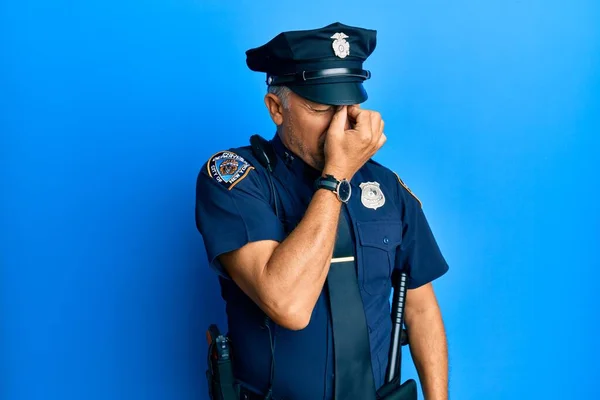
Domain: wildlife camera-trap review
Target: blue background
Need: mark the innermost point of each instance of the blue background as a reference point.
(109, 108)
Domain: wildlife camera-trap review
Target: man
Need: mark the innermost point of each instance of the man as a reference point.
(271, 235)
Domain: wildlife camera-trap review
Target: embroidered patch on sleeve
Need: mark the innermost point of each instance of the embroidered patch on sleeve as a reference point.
(408, 190)
(228, 168)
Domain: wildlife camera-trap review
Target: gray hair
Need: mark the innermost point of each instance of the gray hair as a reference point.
(283, 92)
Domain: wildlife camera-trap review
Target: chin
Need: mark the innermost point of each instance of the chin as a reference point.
(319, 164)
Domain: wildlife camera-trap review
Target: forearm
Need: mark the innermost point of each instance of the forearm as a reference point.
(429, 351)
(299, 266)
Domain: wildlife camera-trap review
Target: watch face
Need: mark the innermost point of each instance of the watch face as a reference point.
(344, 190)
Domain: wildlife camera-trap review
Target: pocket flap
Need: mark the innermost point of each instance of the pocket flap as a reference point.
(384, 234)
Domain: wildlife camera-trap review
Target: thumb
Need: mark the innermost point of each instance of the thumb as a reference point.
(338, 122)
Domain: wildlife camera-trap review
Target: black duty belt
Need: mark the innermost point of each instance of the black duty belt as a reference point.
(353, 371)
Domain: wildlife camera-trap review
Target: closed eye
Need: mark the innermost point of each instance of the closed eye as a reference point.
(319, 108)
(323, 110)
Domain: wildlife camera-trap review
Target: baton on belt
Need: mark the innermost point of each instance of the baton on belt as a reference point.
(392, 390)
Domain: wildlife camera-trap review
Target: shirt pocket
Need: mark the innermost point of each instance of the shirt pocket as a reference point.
(378, 241)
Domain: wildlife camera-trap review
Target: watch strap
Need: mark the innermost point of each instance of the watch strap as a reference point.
(327, 182)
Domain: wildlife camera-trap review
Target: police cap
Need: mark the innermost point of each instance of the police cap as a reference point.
(323, 65)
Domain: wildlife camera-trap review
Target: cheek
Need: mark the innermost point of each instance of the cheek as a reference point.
(320, 124)
(315, 126)
(319, 129)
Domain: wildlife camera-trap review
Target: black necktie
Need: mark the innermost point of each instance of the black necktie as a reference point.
(353, 373)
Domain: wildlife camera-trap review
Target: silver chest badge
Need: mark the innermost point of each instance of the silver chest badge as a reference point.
(340, 46)
(371, 195)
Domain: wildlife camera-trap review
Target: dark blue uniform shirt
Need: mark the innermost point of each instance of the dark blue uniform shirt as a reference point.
(234, 206)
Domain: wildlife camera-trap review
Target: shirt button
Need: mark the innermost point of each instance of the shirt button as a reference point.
(386, 240)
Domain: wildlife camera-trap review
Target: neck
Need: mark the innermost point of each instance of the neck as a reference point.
(298, 149)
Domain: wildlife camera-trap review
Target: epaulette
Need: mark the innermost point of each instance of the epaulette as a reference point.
(408, 189)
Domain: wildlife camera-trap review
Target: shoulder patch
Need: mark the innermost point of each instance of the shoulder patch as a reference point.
(228, 168)
(408, 189)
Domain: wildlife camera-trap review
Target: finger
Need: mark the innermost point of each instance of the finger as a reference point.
(362, 118)
(375, 123)
(351, 116)
(338, 122)
(354, 111)
(382, 140)
(378, 133)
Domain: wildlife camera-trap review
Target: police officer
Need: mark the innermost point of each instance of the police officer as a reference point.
(269, 219)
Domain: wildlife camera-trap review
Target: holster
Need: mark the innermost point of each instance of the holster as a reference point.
(394, 391)
(219, 374)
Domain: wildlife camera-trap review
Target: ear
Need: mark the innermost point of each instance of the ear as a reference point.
(275, 108)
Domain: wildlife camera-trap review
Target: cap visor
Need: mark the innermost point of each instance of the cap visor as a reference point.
(339, 94)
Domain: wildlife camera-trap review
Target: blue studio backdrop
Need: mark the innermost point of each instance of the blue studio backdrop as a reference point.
(109, 109)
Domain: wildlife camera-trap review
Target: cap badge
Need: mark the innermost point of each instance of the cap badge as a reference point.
(371, 195)
(340, 46)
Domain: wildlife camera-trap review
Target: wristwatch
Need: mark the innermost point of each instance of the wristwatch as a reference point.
(342, 188)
